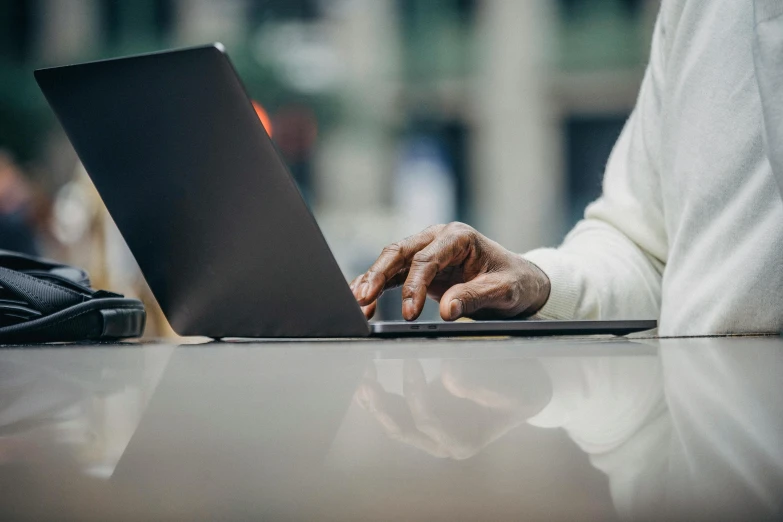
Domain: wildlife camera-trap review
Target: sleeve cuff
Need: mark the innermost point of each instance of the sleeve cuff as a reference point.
(568, 385)
(564, 289)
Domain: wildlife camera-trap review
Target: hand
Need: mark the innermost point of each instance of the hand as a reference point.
(469, 274)
(474, 403)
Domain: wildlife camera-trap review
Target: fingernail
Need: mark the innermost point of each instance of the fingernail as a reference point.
(407, 309)
(455, 308)
(364, 289)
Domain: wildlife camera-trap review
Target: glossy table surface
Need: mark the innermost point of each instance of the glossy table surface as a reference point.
(483, 429)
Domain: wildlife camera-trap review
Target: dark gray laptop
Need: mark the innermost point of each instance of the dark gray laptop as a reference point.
(209, 209)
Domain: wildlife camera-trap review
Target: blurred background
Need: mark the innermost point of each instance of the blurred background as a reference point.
(392, 114)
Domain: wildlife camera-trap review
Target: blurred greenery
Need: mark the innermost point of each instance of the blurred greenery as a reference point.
(24, 115)
(438, 39)
(601, 34)
(130, 27)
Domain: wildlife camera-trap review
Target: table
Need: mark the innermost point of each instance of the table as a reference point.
(484, 429)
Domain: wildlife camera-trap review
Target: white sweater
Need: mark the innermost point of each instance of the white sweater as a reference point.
(689, 228)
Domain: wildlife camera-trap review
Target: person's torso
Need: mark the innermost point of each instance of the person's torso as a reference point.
(722, 206)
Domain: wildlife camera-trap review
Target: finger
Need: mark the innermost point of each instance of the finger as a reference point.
(355, 284)
(464, 382)
(416, 394)
(520, 387)
(392, 260)
(369, 310)
(395, 419)
(394, 282)
(447, 249)
(380, 403)
(372, 396)
(485, 292)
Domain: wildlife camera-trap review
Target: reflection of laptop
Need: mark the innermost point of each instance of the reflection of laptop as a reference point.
(238, 430)
(209, 210)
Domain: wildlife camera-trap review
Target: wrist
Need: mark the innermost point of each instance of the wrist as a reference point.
(539, 287)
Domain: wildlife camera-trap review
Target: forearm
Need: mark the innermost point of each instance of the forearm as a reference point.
(610, 265)
(599, 273)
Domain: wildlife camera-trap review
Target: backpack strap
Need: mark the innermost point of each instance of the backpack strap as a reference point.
(101, 319)
(50, 302)
(41, 295)
(26, 263)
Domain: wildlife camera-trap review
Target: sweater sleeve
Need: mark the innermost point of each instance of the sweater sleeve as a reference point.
(610, 264)
(768, 62)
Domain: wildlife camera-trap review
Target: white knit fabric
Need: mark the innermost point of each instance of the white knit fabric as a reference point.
(689, 228)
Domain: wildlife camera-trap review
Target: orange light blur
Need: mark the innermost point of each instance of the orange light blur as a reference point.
(264, 117)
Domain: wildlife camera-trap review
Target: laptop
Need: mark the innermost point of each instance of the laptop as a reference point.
(209, 209)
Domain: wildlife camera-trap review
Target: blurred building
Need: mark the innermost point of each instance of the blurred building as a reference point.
(391, 113)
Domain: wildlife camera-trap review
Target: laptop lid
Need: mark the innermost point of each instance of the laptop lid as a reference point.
(201, 196)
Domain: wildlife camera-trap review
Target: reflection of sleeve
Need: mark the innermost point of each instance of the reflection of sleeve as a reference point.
(610, 264)
(726, 407)
(601, 401)
(614, 409)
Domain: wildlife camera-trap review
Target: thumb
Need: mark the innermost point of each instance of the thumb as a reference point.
(466, 298)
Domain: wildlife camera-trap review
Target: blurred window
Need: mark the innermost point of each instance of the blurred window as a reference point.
(301, 10)
(574, 8)
(589, 141)
(123, 20)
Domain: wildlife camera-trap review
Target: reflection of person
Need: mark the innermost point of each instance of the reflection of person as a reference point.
(688, 227)
(693, 434)
(472, 404)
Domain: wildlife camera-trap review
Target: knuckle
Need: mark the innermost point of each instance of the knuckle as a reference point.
(422, 257)
(457, 227)
(410, 290)
(454, 226)
(511, 294)
(392, 250)
(472, 300)
(471, 295)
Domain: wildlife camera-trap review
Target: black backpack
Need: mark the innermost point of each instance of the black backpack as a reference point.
(44, 301)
